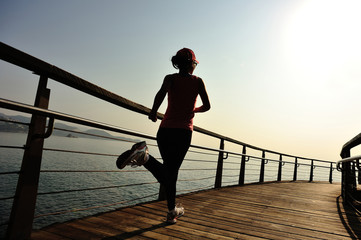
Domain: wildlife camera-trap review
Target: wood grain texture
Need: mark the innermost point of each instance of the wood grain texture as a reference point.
(277, 210)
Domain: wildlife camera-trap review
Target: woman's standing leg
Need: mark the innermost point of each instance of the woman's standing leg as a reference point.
(173, 145)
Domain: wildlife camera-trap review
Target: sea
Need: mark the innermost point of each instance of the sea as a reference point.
(108, 188)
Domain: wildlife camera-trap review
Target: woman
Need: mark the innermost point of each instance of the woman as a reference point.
(175, 131)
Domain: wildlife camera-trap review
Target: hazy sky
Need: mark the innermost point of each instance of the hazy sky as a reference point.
(281, 74)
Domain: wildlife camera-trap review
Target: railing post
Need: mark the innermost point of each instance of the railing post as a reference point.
(353, 176)
(218, 182)
(243, 167)
(261, 174)
(295, 170)
(311, 171)
(346, 181)
(22, 213)
(331, 170)
(346, 172)
(359, 171)
(279, 177)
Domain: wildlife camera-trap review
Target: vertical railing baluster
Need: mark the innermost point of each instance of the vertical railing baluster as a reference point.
(243, 167)
(346, 182)
(347, 179)
(22, 213)
(295, 170)
(311, 171)
(331, 170)
(358, 171)
(218, 182)
(261, 174)
(353, 169)
(279, 177)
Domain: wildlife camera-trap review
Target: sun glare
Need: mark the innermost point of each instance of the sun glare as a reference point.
(322, 36)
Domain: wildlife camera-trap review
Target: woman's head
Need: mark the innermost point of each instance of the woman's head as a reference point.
(184, 59)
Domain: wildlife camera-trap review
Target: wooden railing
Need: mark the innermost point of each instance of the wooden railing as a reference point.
(22, 214)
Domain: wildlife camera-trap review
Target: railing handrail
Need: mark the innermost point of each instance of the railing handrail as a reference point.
(345, 152)
(24, 60)
(349, 159)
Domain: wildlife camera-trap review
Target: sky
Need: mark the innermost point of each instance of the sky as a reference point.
(283, 75)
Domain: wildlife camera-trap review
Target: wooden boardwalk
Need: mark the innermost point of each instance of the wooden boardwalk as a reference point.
(278, 210)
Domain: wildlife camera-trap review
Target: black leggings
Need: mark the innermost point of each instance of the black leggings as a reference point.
(173, 144)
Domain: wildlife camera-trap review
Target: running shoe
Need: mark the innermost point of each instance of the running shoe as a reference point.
(174, 214)
(137, 156)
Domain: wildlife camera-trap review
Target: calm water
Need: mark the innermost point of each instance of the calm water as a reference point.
(10, 160)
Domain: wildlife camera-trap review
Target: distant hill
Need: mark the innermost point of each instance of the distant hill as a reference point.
(98, 132)
(13, 127)
(21, 128)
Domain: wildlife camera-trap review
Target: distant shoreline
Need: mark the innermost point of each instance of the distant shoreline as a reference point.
(19, 125)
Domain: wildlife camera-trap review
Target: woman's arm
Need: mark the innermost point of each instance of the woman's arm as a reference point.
(159, 97)
(204, 97)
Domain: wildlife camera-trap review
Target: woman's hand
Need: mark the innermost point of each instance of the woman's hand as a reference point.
(153, 116)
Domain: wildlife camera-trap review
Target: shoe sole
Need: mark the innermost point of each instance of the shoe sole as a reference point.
(134, 152)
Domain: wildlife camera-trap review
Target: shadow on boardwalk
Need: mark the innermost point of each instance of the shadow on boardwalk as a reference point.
(349, 218)
(127, 235)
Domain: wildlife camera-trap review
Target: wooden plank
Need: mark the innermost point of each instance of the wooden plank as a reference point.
(286, 210)
(93, 228)
(279, 214)
(41, 235)
(70, 232)
(224, 226)
(181, 231)
(266, 219)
